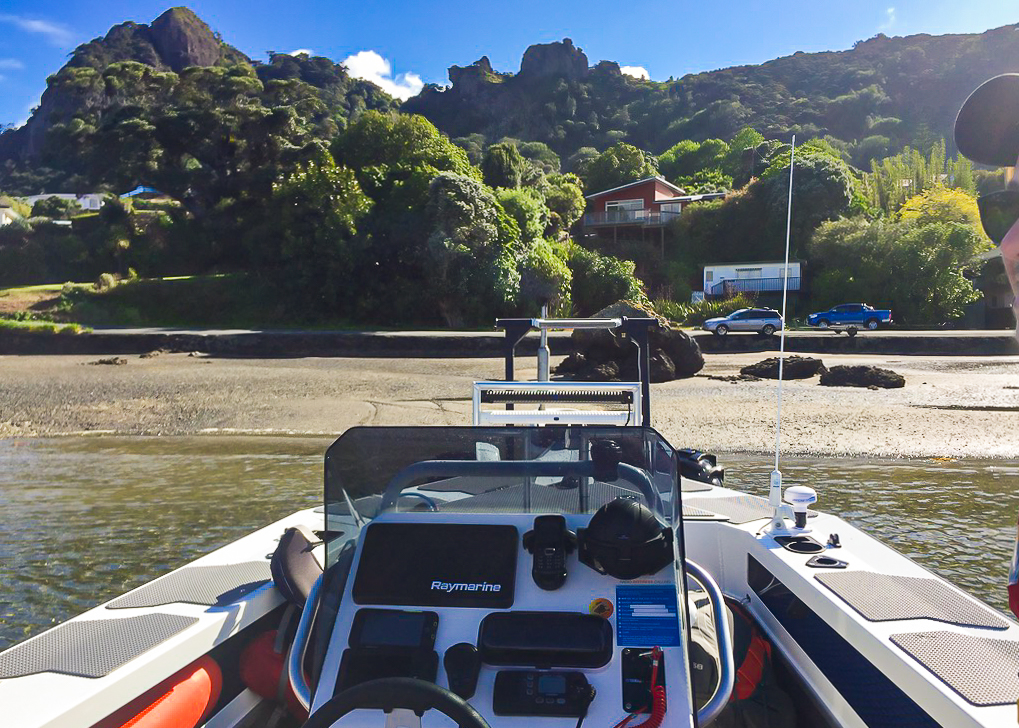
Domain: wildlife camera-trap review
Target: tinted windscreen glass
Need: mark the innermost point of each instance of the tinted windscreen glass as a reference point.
(547, 470)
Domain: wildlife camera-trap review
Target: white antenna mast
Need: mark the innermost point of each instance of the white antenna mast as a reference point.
(775, 492)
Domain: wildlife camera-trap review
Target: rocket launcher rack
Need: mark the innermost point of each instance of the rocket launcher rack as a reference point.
(633, 396)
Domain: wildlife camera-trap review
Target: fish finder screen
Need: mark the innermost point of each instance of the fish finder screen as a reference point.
(392, 629)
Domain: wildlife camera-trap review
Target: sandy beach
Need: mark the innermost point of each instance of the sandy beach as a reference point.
(951, 407)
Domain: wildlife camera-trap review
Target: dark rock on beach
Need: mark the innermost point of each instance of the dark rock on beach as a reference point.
(862, 376)
(602, 355)
(795, 367)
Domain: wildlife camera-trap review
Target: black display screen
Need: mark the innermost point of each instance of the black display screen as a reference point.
(393, 628)
(552, 685)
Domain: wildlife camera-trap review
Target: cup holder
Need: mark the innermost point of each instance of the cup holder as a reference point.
(826, 562)
(800, 544)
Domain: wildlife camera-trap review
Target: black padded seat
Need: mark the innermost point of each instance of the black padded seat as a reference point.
(293, 566)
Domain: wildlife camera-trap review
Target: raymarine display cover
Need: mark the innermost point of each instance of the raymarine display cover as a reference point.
(437, 565)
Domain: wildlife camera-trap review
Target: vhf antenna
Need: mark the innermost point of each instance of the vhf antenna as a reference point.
(799, 496)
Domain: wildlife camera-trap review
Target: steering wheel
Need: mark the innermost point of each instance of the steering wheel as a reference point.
(404, 694)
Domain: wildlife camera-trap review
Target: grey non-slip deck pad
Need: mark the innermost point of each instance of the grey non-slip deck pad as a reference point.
(886, 597)
(740, 508)
(91, 648)
(206, 585)
(983, 670)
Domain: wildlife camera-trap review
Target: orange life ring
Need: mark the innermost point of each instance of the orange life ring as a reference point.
(182, 700)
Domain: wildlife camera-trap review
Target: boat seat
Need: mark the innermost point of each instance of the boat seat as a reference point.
(293, 566)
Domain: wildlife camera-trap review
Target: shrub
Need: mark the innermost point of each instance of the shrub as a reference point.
(698, 313)
(544, 278)
(673, 310)
(105, 282)
(599, 280)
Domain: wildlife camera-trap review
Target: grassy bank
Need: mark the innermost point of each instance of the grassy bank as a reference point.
(237, 300)
(41, 327)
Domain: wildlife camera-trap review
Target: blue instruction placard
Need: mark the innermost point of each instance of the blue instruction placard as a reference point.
(646, 615)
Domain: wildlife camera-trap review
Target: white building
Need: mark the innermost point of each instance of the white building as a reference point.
(762, 276)
(91, 201)
(7, 216)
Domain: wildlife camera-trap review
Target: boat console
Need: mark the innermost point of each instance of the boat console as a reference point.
(527, 572)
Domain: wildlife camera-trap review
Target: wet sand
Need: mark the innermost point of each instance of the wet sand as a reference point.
(951, 406)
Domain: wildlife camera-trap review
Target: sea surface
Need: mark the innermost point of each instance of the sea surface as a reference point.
(85, 519)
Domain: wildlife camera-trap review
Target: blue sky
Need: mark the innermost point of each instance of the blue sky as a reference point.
(402, 43)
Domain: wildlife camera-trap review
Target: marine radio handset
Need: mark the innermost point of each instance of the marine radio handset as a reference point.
(549, 543)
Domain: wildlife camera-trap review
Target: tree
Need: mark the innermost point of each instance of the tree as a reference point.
(311, 241)
(620, 164)
(580, 161)
(915, 267)
(471, 266)
(527, 208)
(56, 208)
(544, 279)
(503, 166)
(600, 280)
(690, 159)
(942, 204)
(565, 199)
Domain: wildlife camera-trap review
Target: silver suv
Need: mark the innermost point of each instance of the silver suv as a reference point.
(761, 320)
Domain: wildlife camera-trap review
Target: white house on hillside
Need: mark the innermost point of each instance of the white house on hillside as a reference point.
(725, 279)
(91, 201)
(7, 216)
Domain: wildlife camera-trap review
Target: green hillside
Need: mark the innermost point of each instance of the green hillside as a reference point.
(880, 96)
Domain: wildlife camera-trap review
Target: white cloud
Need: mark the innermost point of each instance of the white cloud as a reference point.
(301, 52)
(889, 20)
(56, 33)
(11, 64)
(370, 66)
(636, 72)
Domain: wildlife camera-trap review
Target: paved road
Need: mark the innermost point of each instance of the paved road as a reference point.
(472, 344)
(445, 333)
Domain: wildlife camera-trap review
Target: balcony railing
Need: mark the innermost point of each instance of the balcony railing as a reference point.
(751, 285)
(629, 217)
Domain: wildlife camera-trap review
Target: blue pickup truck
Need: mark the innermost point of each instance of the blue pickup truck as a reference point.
(851, 314)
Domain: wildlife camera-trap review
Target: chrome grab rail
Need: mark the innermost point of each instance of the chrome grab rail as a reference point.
(295, 658)
(727, 670)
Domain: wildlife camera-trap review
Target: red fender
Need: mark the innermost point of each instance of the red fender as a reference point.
(182, 700)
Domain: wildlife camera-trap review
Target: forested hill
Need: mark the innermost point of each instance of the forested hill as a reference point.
(145, 94)
(880, 96)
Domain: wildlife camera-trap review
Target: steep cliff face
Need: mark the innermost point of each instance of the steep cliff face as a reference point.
(483, 100)
(559, 59)
(182, 39)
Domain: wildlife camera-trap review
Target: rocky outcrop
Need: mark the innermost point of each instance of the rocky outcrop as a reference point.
(182, 39)
(561, 59)
(862, 376)
(601, 355)
(794, 367)
(469, 80)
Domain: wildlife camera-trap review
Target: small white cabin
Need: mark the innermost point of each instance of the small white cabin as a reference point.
(91, 201)
(761, 276)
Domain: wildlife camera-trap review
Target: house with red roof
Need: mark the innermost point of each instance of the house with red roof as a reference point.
(634, 209)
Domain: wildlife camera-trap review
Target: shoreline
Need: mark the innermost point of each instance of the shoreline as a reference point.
(325, 437)
(951, 407)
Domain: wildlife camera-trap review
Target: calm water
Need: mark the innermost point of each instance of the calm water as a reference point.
(85, 519)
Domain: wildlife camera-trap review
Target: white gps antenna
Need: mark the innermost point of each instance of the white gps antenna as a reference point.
(799, 496)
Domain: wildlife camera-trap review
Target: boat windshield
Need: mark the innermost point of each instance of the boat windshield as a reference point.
(574, 469)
